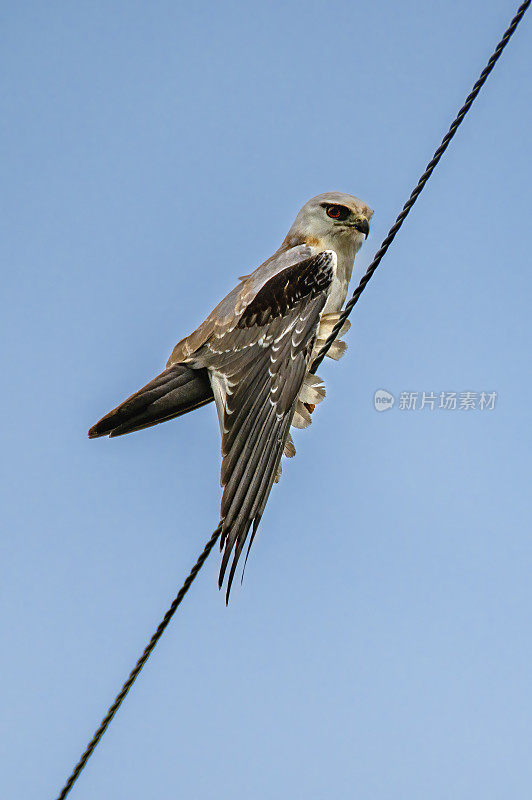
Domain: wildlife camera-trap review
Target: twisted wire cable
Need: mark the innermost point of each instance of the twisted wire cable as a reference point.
(140, 663)
(420, 184)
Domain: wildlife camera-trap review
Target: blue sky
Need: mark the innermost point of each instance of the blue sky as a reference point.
(380, 645)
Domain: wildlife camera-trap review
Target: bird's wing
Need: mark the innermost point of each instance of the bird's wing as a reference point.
(258, 365)
(222, 318)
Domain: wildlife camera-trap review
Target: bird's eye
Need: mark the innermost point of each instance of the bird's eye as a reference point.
(337, 212)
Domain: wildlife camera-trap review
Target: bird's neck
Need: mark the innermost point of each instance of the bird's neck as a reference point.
(345, 249)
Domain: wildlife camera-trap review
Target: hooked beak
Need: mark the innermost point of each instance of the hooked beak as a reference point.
(362, 225)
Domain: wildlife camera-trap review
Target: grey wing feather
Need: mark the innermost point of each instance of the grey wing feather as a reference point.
(228, 310)
(263, 360)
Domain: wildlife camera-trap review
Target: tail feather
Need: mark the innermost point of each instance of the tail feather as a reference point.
(175, 391)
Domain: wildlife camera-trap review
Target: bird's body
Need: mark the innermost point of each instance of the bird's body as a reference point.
(253, 356)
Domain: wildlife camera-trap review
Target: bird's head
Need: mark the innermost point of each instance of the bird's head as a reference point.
(332, 220)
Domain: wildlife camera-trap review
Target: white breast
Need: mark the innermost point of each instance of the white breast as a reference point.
(337, 295)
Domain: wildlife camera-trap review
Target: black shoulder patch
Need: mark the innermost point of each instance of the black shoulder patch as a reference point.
(281, 293)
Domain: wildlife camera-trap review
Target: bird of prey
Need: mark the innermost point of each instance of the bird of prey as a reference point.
(253, 355)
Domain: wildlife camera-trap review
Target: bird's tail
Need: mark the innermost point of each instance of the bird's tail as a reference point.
(175, 391)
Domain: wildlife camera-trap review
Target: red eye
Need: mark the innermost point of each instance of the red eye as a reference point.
(337, 212)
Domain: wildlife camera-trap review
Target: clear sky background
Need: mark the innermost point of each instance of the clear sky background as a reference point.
(380, 647)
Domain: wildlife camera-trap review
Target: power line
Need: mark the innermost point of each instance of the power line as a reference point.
(133, 675)
(421, 184)
(344, 315)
